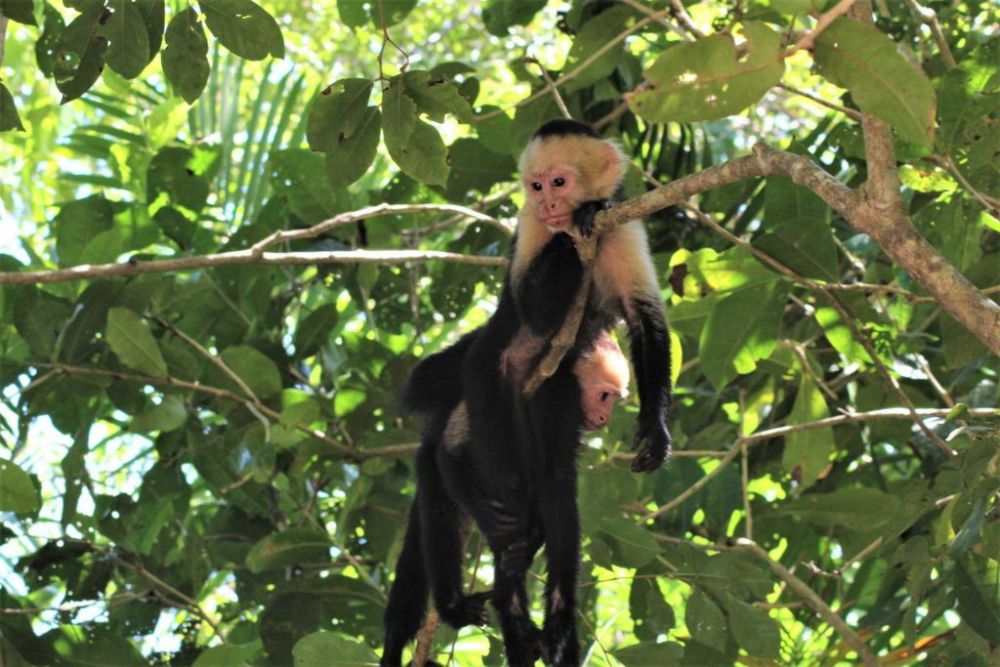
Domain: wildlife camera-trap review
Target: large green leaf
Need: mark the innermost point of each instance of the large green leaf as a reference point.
(475, 167)
(351, 156)
(80, 53)
(128, 52)
(862, 59)
(314, 330)
(807, 453)
(337, 112)
(133, 343)
(500, 15)
(741, 330)
(854, 508)
(255, 368)
(977, 587)
(244, 28)
(185, 59)
(326, 648)
(294, 546)
(709, 78)
(631, 545)
(9, 120)
(754, 630)
(436, 96)
(798, 232)
(399, 112)
(17, 493)
(647, 653)
(704, 619)
(423, 157)
(595, 34)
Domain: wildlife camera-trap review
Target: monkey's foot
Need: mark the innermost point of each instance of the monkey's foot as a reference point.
(647, 460)
(468, 610)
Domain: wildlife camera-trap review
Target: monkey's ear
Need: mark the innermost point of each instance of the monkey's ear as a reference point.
(612, 169)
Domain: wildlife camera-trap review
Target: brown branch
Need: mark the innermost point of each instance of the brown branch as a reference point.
(137, 267)
(781, 431)
(551, 87)
(801, 589)
(929, 18)
(806, 42)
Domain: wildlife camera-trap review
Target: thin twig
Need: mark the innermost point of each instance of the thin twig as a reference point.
(657, 17)
(807, 41)
(551, 87)
(851, 113)
(929, 17)
(682, 16)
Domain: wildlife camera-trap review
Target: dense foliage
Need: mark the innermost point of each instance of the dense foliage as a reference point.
(203, 460)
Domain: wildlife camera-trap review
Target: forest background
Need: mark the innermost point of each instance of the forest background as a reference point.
(230, 230)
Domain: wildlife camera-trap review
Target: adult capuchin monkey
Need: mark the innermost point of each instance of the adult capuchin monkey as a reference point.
(515, 474)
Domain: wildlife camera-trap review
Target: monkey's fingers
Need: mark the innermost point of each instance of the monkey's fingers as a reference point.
(656, 450)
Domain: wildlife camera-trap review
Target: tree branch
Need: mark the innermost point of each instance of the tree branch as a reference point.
(810, 597)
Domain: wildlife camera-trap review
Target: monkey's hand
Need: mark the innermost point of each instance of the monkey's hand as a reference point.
(657, 448)
(583, 216)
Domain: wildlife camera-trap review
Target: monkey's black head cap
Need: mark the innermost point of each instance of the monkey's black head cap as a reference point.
(562, 127)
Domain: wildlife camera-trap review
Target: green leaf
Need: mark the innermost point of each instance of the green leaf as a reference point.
(133, 343)
(798, 230)
(353, 154)
(293, 546)
(255, 368)
(854, 508)
(436, 96)
(741, 330)
(244, 28)
(705, 620)
(185, 59)
(80, 54)
(754, 630)
(649, 653)
(596, 34)
(500, 15)
(17, 493)
(978, 593)
(21, 11)
(128, 52)
(168, 416)
(807, 453)
(399, 113)
(77, 223)
(651, 614)
(322, 648)
(9, 120)
(152, 12)
(39, 317)
(709, 79)
(389, 12)
(337, 112)
(228, 655)
(631, 545)
(475, 167)
(314, 330)
(352, 13)
(861, 58)
(424, 157)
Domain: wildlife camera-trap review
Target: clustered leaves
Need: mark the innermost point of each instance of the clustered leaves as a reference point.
(208, 465)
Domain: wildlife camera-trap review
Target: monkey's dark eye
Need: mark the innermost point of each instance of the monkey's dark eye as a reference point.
(604, 396)
(536, 186)
(559, 182)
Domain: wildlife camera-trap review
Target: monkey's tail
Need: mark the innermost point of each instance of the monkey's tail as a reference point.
(435, 386)
(404, 612)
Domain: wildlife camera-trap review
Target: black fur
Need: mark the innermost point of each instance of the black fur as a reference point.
(562, 127)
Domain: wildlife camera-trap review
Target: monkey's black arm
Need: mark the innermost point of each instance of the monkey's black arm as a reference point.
(651, 360)
(583, 216)
(549, 286)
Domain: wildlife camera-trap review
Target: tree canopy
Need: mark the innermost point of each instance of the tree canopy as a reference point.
(231, 229)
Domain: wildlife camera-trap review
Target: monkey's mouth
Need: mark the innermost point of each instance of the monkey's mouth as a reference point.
(591, 424)
(557, 222)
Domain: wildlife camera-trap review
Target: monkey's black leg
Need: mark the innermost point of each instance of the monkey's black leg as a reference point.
(521, 637)
(441, 519)
(408, 596)
(651, 361)
(554, 418)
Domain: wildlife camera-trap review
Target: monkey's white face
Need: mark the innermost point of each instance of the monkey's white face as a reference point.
(553, 194)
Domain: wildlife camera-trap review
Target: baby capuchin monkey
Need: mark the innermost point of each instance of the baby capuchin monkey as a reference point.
(602, 373)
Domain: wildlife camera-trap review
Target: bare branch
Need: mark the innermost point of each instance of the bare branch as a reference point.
(233, 257)
(807, 41)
